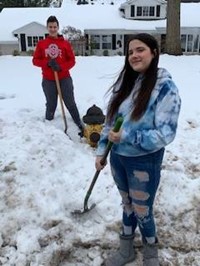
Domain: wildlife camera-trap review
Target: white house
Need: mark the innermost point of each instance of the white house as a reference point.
(27, 37)
(104, 27)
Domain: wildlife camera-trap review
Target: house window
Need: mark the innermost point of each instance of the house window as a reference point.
(189, 43)
(196, 43)
(33, 40)
(183, 42)
(30, 43)
(139, 11)
(151, 11)
(95, 41)
(145, 11)
(106, 41)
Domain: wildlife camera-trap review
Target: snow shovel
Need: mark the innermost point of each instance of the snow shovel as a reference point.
(61, 100)
(116, 128)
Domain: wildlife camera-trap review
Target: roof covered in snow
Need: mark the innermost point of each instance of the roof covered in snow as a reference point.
(83, 17)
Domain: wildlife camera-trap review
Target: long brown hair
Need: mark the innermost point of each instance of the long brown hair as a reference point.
(127, 77)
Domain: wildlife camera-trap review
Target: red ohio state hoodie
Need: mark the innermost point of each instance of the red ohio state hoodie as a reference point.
(60, 50)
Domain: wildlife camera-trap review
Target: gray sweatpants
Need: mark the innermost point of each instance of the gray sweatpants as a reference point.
(51, 94)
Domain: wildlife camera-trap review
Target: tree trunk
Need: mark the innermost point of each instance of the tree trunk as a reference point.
(173, 36)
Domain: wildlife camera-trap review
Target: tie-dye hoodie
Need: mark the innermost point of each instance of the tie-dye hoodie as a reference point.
(155, 129)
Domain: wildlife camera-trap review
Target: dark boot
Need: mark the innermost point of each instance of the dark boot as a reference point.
(49, 115)
(150, 254)
(81, 131)
(125, 254)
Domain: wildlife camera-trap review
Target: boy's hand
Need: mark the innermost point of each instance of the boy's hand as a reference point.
(54, 65)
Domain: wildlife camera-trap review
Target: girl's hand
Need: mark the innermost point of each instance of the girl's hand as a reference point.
(98, 164)
(114, 136)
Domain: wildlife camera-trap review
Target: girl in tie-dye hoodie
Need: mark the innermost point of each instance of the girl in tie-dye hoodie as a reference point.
(148, 100)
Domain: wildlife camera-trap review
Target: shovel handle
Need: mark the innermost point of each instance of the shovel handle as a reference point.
(116, 128)
(61, 100)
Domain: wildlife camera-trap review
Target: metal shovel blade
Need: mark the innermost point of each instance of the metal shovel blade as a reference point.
(85, 210)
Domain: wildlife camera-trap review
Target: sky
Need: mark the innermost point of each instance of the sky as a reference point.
(44, 175)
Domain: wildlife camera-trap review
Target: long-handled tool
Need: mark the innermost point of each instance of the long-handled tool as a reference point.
(116, 128)
(61, 100)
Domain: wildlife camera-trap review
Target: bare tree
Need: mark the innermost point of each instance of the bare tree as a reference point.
(173, 36)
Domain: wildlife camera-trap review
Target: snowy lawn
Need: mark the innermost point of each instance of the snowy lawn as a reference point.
(44, 175)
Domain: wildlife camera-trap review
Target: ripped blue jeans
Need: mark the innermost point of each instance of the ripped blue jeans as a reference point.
(137, 179)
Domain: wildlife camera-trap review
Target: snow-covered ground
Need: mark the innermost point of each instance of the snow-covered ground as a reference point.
(44, 175)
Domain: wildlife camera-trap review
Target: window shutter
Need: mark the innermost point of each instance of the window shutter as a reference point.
(113, 41)
(23, 42)
(157, 11)
(87, 41)
(132, 11)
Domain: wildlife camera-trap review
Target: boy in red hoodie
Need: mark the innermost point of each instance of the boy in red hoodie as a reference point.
(55, 54)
